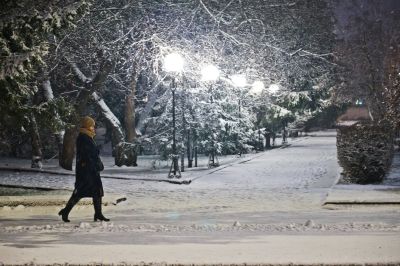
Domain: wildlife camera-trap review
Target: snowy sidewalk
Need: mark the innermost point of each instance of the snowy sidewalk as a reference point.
(246, 250)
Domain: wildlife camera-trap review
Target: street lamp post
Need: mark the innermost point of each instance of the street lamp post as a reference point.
(240, 82)
(257, 88)
(210, 73)
(173, 63)
(174, 154)
(273, 89)
(240, 112)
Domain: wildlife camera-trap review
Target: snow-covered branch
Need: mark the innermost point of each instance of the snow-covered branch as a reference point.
(108, 115)
(79, 73)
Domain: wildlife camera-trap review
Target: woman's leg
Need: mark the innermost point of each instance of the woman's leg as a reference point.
(98, 215)
(70, 204)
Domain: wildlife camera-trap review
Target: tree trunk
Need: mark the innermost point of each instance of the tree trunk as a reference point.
(59, 139)
(48, 96)
(130, 112)
(37, 155)
(68, 149)
(125, 153)
(267, 137)
(189, 147)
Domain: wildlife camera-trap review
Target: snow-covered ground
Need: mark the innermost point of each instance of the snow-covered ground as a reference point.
(150, 168)
(268, 209)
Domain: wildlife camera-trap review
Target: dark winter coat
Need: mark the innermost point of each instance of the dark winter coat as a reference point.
(88, 167)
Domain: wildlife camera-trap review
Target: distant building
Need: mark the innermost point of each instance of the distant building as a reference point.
(353, 116)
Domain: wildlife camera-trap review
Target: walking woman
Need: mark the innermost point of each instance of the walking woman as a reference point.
(88, 167)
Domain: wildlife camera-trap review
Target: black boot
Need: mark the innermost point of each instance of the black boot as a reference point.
(70, 204)
(98, 215)
(64, 215)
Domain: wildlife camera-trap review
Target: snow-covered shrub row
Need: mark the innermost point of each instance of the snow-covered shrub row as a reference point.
(365, 152)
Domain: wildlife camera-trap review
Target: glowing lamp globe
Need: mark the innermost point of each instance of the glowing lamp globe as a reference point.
(257, 87)
(209, 73)
(239, 80)
(173, 62)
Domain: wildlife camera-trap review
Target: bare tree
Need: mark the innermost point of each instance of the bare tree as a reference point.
(91, 85)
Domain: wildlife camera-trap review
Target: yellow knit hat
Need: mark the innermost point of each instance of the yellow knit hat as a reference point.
(87, 122)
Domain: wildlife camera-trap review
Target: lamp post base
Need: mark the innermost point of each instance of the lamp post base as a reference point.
(213, 161)
(174, 171)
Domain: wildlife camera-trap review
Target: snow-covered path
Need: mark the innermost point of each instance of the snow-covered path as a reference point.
(297, 177)
(283, 179)
(294, 178)
(287, 184)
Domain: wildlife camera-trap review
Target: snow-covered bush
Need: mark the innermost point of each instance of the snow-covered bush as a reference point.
(364, 152)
